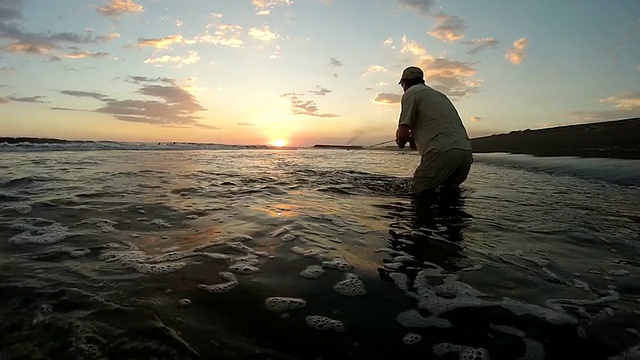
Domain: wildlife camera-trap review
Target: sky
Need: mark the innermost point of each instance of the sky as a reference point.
(302, 72)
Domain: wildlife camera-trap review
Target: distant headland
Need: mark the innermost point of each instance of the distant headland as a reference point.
(613, 139)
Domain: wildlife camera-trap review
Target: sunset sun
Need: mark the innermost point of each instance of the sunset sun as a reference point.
(279, 143)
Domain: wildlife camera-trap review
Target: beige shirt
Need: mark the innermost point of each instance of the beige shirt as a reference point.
(434, 121)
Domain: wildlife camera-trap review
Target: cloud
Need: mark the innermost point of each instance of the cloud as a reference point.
(475, 118)
(374, 69)
(43, 43)
(387, 98)
(516, 54)
(302, 107)
(3, 100)
(87, 54)
(448, 28)
(142, 79)
(627, 105)
(10, 9)
(335, 62)
(626, 101)
(29, 99)
(192, 58)
(170, 105)
(266, 4)
(412, 47)
(90, 94)
(245, 124)
(389, 41)
(263, 34)
(225, 34)
(118, 7)
(162, 43)
(454, 78)
(481, 44)
(422, 7)
(321, 91)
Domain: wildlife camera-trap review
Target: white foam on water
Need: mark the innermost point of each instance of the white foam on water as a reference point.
(351, 286)
(618, 272)
(243, 268)
(508, 330)
(312, 272)
(535, 350)
(411, 339)
(632, 353)
(160, 223)
(141, 211)
(464, 352)
(287, 237)
(310, 253)
(134, 235)
(170, 256)
(281, 304)
(126, 221)
(105, 225)
(280, 231)
(473, 267)
(22, 209)
(323, 323)
(51, 234)
(413, 319)
(581, 284)
(157, 269)
(316, 244)
(401, 280)
(79, 252)
(184, 302)
(217, 256)
(338, 263)
(231, 284)
(240, 247)
(142, 219)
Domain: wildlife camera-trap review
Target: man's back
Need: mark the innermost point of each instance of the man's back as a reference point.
(434, 121)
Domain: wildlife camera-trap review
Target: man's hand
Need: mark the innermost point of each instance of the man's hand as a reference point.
(402, 136)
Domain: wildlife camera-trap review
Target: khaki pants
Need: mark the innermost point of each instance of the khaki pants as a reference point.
(446, 169)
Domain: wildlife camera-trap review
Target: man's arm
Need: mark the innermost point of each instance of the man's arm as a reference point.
(407, 113)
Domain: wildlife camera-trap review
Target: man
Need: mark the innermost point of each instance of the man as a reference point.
(428, 118)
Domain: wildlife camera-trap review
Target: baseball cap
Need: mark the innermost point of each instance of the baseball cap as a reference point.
(412, 72)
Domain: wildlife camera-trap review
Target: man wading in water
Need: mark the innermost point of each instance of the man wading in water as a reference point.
(429, 119)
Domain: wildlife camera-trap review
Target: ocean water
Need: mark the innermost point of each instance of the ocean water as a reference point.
(314, 254)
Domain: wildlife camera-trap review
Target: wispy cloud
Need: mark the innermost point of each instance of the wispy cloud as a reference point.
(10, 9)
(422, 7)
(165, 104)
(263, 34)
(163, 43)
(454, 78)
(481, 44)
(335, 62)
(29, 99)
(262, 5)
(116, 8)
(192, 58)
(448, 28)
(411, 46)
(475, 118)
(517, 53)
(224, 34)
(625, 101)
(374, 69)
(25, 42)
(627, 105)
(245, 124)
(321, 91)
(305, 107)
(387, 98)
(87, 54)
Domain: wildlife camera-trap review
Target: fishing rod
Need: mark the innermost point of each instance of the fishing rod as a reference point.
(377, 144)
